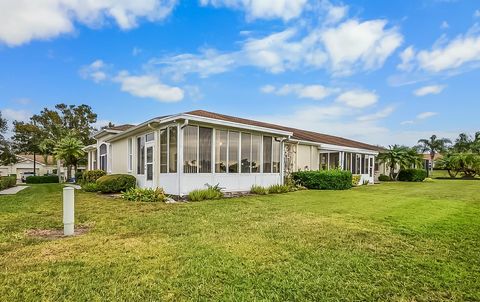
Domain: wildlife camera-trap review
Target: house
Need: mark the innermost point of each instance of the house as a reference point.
(25, 165)
(185, 151)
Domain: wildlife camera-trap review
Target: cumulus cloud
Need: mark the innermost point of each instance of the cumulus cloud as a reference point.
(425, 115)
(16, 115)
(476, 14)
(365, 45)
(407, 55)
(148, 86)
(315, 92)
(94, 71)
(357, 98)
(24, 20)
(263, 9)
(426, 90)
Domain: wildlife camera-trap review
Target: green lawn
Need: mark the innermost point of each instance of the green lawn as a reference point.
(393, 241)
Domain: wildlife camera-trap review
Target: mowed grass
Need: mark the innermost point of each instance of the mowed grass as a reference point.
(388, 242)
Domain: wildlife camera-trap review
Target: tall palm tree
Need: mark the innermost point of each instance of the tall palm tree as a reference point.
(70, 150)
(434, 145)
(395, 156)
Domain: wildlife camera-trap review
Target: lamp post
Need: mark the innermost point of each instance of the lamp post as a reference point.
(68, 211)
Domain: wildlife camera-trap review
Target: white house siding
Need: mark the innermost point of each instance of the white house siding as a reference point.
(119, 158)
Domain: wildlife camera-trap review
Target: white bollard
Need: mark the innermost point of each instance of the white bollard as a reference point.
(68, 210)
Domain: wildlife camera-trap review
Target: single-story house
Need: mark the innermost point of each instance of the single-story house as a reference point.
(186, 151)
(25, 165)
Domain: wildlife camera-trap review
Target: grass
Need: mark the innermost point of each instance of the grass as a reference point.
(444, 174)
(393, 241)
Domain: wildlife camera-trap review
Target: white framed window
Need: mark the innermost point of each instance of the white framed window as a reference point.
(130, 155)
(168, 149)
(103, 157)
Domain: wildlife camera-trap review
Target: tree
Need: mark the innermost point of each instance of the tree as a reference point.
(412, 158)
(7, 156)
(70, 150)
(434, 145)
(395, 156)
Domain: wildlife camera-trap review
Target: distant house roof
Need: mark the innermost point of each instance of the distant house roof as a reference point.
(298, 134)
(39, 159)
(121, 127)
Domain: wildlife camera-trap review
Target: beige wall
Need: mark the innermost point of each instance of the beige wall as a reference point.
(307, 157)
(119, 156)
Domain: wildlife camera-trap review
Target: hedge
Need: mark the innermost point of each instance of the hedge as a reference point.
(46, 179)
(324, 180)
(92, 175)
(7, 182)
(412, 175)
(384, 177)
(116, 183)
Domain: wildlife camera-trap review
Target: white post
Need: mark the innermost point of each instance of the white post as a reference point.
(68, 210)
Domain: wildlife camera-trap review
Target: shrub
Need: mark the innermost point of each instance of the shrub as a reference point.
(116, 183)
(90, 187)
(46, 179)
(278, 189)
(412, 175)
(384, 177)
(356, 180)
(78, 176)
(144, 195)
(259, 190)
(7, 182)
(199, 195)
(324, 180)
(92, 175)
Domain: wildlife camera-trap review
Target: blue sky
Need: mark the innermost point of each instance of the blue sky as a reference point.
(382, 72)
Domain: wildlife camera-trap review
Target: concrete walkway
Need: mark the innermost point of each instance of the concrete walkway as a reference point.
(13, 190)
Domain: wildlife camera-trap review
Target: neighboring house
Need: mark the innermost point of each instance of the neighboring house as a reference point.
(25, 165)
(186, 151)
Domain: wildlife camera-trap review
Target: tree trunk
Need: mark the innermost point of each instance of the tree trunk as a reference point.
(432, 157)
(58, 170)
(69, 172)
(34, 164)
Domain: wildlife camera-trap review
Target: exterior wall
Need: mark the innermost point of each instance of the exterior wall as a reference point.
(27, 166)
(304, 158)
(119, 161)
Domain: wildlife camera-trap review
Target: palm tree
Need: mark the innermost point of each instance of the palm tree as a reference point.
(412, 158)
(70, 150)
(434, 145)
(395, 156)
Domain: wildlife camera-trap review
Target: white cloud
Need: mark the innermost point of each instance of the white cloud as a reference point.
(23, 101)
(456, 53)
(136, 51)
(444, 25)
(94, 71)
(408, 122)
(25, 20)
(16, 115)
(263, 9)
(364, 45)
(315, 92)
(425, 115)
(336, 13)
(148, 86)
(357, 98)
(377, 115)
(432, 89)
(407, 55)
(476, 14)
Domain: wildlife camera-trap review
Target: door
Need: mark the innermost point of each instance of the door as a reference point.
(149, 164)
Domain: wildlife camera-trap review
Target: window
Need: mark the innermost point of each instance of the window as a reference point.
(358, 166)
(365, 164)
(246, 152)
(103, 157)
(130, 155)
(205, 150)
(334, 160)
(323, 161)
(141, 155)
(267, 154)
(221, 148)
(256, 147)
(172, 151)
(276, 156)
(163, 151)
(347, 161)
(233, 144)
(149, 137)
(190, 138)
(149, 163)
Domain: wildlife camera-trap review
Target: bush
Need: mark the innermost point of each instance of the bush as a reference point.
(78, 176)
(324, 180)
(259, 190)
(278, 189)
(46, 179)
(144, 195)
(116, 183)
(7, 182)
(199, 195)
(412, 175)
(356, 179)
(90, 187)
(92, 175)
(384, 177)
